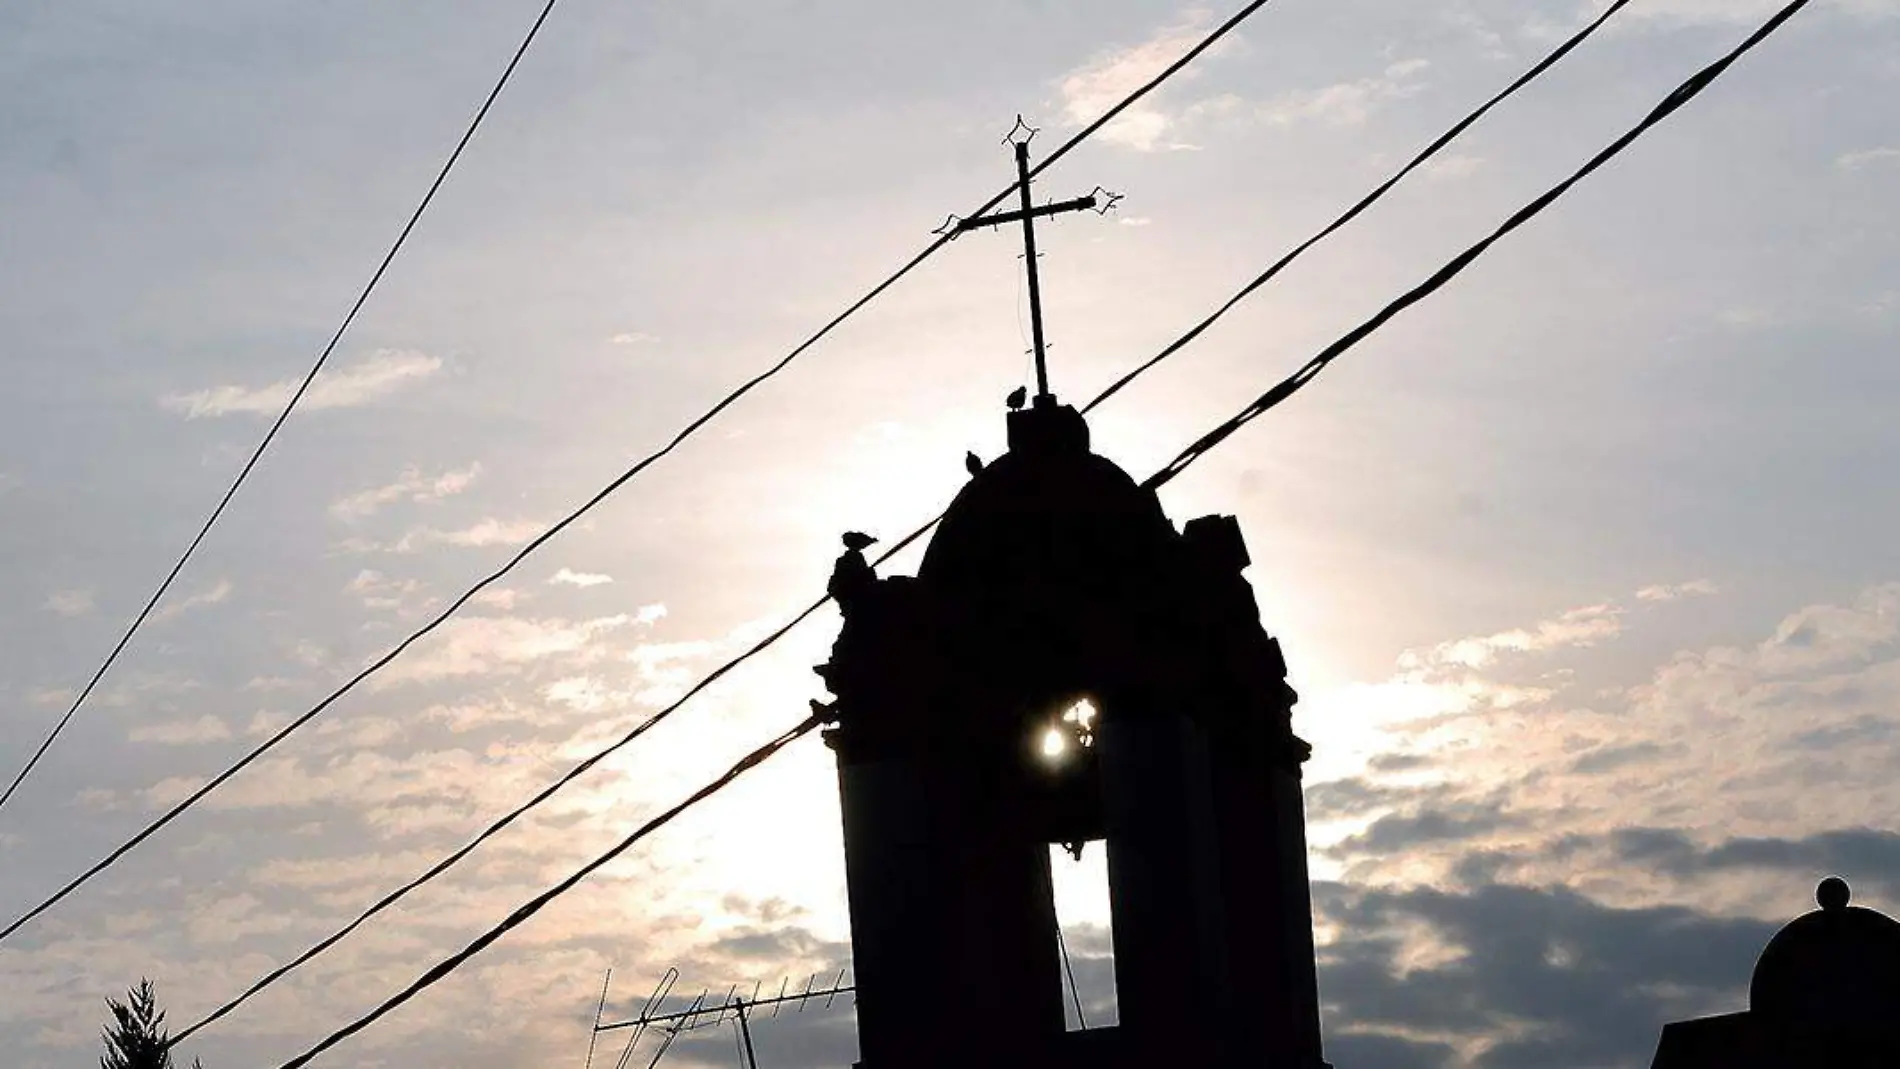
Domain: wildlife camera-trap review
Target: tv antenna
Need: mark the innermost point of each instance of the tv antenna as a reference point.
(700, 1014)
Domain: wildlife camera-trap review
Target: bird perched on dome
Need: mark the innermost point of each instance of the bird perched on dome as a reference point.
(1017, 398)
(852, 577)
(973, 463)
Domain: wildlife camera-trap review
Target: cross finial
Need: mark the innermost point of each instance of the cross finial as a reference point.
(1027, 215)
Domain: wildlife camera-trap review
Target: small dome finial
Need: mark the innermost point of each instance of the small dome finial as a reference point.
(1833, 894)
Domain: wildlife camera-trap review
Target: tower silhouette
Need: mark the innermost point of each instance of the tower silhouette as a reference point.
(1056, 585)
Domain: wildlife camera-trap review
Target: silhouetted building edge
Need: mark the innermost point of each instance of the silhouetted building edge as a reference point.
(1056, 579)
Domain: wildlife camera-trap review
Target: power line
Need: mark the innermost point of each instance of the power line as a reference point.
(576, 772)
(626, 476)
(536, 904)
(496, 828)
(521, 810)
(1684, 93)
(1366, 202)
(1075, 993)
(270, 435)
(1291, 385)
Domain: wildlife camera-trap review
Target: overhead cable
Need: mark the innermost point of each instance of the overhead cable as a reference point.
(297, 396)
(534, 905)
(1688, 91)
(626, 476)
(1367, 201)
(1291, 385)
(583, 767)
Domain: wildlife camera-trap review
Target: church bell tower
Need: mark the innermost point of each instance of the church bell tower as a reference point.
(1056, 585)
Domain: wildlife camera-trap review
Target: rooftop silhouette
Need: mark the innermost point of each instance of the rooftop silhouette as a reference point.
(1825, 993)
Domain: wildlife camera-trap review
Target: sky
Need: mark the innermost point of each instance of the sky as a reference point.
(1585, 569)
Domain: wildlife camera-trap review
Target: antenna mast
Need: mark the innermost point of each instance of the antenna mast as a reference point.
(699, 1015)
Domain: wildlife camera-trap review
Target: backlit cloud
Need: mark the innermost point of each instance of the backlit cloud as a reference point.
(182, 732)
(1697, 588)
(381, 592)
(485, 532)
(1097, 85)
(215, 594)
(69, 602)
(1347, 103)
(1579, 627)
(371, 379)
(477, 645)
(410, 485)
(1868, 158)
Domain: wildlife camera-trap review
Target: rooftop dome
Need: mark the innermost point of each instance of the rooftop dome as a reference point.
(1838, 965)
(1049, 513)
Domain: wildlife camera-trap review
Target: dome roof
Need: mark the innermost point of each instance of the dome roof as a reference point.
(1839, 965)
(1049, 513)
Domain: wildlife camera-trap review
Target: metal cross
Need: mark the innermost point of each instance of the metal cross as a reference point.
(1027, 215)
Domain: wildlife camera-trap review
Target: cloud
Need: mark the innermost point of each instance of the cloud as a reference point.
(1578, 627)
(236, 917)
(1388, 1050)
(502, 598)
(76, 602)
(665, 668)
(1612, 757)
(265, 722)
(488, 532)
(1787, 739)
(378, 591)
(50, 695)
(482, 533)
(583, 694)
(1356, 796)
(340, 872)
(478, 645)
(1454, 167)
(271, 683)
(633, 337)
(1460, 16)
(1091, 89)
(569, 577)
(1697, 588)
(1873, 157)
(214, 594)
(183, 732)
(410, 485)
(1519, 977)
(362, 733)
(97, 799)
(1451, 823)
(1347, 103)
(1692, 12)
(1867, 856)
(374, 377)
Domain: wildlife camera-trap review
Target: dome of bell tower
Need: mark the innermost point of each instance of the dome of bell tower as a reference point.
(1840, 963)
(1048, 513)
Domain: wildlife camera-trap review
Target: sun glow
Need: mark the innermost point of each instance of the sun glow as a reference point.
(1082, 714)
(1075, 728)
